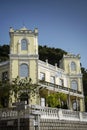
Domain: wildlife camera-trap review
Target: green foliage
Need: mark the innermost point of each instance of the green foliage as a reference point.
(1, 106)
(63, 97)
(43, 92)
(52, 100)
(84, 71)
(86, 103)
(4, 93)
(56, 99)
(23, 87)
(4, 52)
(54, 55)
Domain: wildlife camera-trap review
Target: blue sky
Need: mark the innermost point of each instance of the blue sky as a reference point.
(61, 23)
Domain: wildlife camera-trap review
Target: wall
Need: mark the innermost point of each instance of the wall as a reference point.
(12, 124)
(45, 124)
(50, 124)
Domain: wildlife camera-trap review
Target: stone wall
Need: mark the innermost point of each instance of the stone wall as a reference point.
(38, 118)
(12, 124)
(49, 124)
(44, 124)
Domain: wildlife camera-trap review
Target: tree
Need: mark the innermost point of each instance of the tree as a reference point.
(63, 100)
(56, 100)
(23, 87)
(4, 93)
(4, 52)
(43, 92)
(54, 55)
(52, 100)
(84, 71)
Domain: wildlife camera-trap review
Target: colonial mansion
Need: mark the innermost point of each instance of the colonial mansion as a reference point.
(24, 62)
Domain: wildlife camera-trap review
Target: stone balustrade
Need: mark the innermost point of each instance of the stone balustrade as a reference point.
(6, 114)
(61, 114)
(59, 88)
(44, 113)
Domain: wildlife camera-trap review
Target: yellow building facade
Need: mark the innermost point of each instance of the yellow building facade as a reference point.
(24, 62)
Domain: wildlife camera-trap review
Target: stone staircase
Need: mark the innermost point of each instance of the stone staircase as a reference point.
(50, 124)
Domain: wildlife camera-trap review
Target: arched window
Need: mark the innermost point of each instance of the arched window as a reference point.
(24, 97)
(74, 84)
(74, 105)
(73, 66)
(23, 70)
(24, 44)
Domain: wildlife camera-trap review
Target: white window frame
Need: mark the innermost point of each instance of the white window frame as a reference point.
(74, 85)
(42, 76)
(73, 66)
(24, 70)
(24, 44)
(52, 79)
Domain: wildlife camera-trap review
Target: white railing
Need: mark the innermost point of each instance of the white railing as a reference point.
(55, 68)
(59, 88)
(6, 114)
(44, 113)
(61, 114)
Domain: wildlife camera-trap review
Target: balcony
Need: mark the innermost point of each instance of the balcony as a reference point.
(58, 88)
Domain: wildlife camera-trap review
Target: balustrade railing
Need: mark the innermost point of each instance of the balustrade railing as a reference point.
(6, 114)
(44, 113)
(55, 86)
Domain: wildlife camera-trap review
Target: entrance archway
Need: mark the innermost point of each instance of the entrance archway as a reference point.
(24, 97)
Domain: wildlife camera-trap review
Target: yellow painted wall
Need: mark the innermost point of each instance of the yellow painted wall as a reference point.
(33, 70)
(82, 105)
(14, 70)
(67, 63)
(19, 56)
(16, 45)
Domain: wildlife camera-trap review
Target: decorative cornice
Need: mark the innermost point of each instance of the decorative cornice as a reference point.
(21, 56)
(75, 75)
(23, 31)
(68, 55)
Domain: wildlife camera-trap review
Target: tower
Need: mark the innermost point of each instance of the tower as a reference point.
(71, 64)
(23, 53)
(24, 56)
